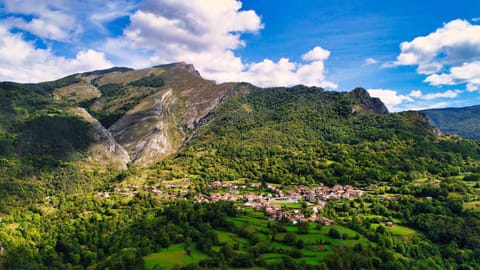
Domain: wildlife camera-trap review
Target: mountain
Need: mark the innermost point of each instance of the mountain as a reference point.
(109, 168)
(127, 116)
(459, 121)
(120, 117)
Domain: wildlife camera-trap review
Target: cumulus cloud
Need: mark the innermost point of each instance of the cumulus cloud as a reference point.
(468, 73)
(62, 20)
(390, 98)
(449, 56)
(414, 100)
(316, 54)
(284, 72)
(207, 33)
(21, 61)
(198, 26)
(49, 20)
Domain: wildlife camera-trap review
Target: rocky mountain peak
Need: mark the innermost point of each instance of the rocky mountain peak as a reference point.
(370, 103)
(180, 65)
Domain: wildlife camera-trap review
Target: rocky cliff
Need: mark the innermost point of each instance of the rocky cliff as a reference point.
(154, 110)
(372, 104)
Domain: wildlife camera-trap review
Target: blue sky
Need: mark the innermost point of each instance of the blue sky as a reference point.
(411, 54)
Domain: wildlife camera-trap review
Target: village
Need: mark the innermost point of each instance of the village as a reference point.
(271, 199)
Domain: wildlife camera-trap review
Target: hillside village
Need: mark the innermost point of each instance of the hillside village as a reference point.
(274, 197)
(270, 199)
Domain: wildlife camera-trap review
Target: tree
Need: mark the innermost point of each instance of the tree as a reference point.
(334, 233)
(290, 238)
(303, 227)
(300, 244)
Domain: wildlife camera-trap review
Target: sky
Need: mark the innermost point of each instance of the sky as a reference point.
(411, 54)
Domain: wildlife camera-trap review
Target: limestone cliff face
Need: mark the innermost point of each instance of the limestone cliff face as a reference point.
(104, 148)
(150, 113)
(160, 123)
(148, 131)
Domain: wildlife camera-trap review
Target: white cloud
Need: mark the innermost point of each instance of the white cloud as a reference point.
(415, 100)
(62, 20)
(21, 61)
(390, 98)
(47, 22)
(285, 73)
(426, 106)
(472, 87)
(316, 54)
(467, 73)
(456, 42)
(195, 25)
(446, 94)
(415, 93)
(454, 47)
(207, 33)
(370, 61)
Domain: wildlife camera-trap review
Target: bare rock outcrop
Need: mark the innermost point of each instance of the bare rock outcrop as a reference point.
(104, 148)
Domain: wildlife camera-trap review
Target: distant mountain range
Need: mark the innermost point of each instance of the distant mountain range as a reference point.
(464, 122)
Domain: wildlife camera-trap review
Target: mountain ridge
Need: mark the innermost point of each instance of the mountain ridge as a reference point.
(150, 113)
(462, 121)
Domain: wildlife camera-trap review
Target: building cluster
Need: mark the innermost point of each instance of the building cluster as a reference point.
(269, 199)
(270, 202)
(327, 193)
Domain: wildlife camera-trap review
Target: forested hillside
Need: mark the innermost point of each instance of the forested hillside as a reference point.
(306, 135)
(459, 121)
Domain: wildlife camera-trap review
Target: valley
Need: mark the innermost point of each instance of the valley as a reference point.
(161, 169)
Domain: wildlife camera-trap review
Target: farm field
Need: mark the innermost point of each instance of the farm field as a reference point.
(175, 255)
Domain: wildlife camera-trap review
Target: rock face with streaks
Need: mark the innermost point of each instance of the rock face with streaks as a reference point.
(154, 110)
(104, 147)
(148, 131)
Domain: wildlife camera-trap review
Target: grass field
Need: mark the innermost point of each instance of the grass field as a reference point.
(172, 256)
(455, 195)
(229, 238)
(315, 254)
(475, 205)
(315, 237)
(317, 243)
(255, 220)
(397, 230)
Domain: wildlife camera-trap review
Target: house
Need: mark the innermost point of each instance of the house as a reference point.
(216, 184)
(389, 224)
(103, 195)
(251, 198)
(325, 221)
